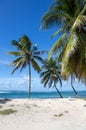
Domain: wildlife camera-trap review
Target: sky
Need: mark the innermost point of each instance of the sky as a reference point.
(19, 17)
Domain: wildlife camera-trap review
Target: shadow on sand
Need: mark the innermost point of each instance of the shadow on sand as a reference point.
(4, 100)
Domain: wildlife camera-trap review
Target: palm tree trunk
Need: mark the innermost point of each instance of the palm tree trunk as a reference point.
(29, 89)
(58, 91)
(72, 85)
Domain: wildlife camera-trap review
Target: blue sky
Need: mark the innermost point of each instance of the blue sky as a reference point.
(19, 17)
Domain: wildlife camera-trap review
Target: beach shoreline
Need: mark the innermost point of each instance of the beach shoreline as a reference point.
(47, 114)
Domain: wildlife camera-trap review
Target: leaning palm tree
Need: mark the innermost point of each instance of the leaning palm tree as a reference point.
(27, 55)
(50, 74)
(70, 15)
(72, 77)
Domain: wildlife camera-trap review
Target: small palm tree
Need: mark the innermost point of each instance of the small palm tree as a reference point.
(27, 55)
(50, 74)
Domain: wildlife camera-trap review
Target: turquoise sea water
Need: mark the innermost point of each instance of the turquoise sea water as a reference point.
(24, 94)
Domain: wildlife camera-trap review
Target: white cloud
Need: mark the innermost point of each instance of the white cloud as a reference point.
(22, 84)
(26, 77)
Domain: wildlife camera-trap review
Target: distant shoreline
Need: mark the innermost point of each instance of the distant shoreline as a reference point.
(41, 95)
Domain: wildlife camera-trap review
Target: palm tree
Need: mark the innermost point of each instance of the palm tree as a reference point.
(70, 15)
(27, 55)
(50, 74)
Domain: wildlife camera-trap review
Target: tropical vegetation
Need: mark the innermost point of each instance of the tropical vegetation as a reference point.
(27, 55)
(70, 16)
(50, 74)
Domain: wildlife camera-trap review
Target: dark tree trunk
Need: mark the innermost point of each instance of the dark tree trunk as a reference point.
(58, 91)
(72, 85)
(29, 88)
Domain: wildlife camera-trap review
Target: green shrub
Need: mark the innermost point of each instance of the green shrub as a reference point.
(7, 111)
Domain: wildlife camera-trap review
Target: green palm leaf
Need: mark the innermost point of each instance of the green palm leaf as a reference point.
(25, 42)
(23, 65)
(57, 33)
(17, 65)
(15, 61)
(35, 65)
(16, 44)
(14, 53)
(58, 44)
(79, 23)
(38, 58)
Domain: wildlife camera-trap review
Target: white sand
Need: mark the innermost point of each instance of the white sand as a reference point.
(44, 114)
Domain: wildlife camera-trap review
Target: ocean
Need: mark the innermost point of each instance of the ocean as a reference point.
(42, 95)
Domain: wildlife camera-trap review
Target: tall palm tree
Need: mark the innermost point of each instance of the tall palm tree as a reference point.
(50, 74)
(70, 15)
(27, 55)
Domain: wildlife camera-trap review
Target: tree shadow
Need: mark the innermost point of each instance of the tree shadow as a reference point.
(4, 100)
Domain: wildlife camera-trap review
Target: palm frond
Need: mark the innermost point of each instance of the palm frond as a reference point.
(77, 7)
(59, 78)
(50, 83)
(83, 11)
(44, 73)
(35, 65)
(16, 44)
(25, 42)
(79, 23)
(72, 46)
(57, 45)
(23, 65)
(16, 68)
(14, 53)
(40, 52)
(17, 65)
(40, 59)
(50, 20)
(57, 32)
(45, 80)
(14, 62)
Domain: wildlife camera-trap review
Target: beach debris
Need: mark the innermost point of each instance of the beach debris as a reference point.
(58, 115)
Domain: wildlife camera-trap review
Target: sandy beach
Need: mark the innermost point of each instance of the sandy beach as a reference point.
(44, 114)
